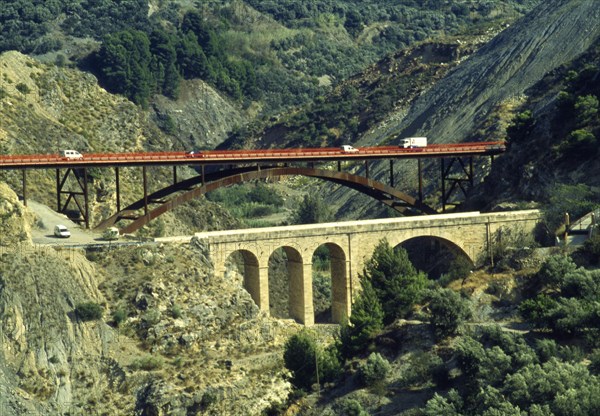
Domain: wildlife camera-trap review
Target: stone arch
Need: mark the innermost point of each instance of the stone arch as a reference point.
(299, 282)
(340, 292)
(249, 267)
(432, 254)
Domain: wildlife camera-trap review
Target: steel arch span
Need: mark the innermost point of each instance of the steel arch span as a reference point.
(177, 194)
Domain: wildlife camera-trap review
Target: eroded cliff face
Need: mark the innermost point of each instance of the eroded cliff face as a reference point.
(173, 337)
(15, 220)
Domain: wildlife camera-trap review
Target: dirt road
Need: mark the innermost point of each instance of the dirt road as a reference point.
(43, 230)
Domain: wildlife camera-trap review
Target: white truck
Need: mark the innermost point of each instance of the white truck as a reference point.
(414, 142)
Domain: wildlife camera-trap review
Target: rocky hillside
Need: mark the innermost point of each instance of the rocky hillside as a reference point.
(141, 330)
(45, 108)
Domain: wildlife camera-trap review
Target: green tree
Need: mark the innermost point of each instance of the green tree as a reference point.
(164, 63)
(124, 60)
(300, 357)
(374, 370)
(521, 126)
(191, 57)
(366, 321)
(396, 282)
(586, 108)
(312, 210)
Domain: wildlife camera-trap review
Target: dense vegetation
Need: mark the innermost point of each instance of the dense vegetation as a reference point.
(313, 39)
(483, 370)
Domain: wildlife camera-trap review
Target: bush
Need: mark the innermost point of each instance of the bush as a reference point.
(374, 370)
(350, 407)
(147, 363)
(119, 316)
(23, 88)
(553, 271)
(448, 312)
(88, 311)
(460, 268)
(591, 248)
(300, 358)
(312, 209)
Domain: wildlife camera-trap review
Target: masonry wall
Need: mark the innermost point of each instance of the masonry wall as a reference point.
(353, 242)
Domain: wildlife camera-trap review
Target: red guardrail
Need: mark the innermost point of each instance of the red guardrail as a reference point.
(236, 155)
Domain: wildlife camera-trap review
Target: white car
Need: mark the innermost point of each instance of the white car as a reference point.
(61, 231)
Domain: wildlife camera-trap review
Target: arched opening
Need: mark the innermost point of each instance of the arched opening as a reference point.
(435, 256)
(329, 280)
(286, 284)
(245, 263)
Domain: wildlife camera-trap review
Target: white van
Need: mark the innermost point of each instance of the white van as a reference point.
(61, 231)
(71, 154)
(349, 149)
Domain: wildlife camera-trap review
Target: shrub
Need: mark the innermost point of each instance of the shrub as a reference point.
(554, 270)
(147, 363)
(546, 349)
(88, 311)
(350, 407)
(312, 210)
(591, 248)
(119, 316)
(300, 358)
(23, 88)
(460, 268)
(176, 311)
(330, 366)
(425, 367)
(374, 370)
(448, 312)
(594, 358)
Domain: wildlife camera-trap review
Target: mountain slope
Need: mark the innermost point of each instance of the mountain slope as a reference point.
(554, 33)
(475, 93)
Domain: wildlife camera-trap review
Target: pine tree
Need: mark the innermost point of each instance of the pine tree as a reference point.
(397, 283)
(366, 321)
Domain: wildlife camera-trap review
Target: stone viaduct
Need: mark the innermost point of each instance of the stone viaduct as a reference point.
(350, 243)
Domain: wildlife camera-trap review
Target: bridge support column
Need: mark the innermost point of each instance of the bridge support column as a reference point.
(263, 289)
(340, 289)
(256, 282)
(301, 299)
(24, 187)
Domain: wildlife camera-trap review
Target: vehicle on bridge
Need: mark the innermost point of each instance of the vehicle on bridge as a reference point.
(61, 231)
(349, 149)
(411, 142)
(194, 153)
(71, 154)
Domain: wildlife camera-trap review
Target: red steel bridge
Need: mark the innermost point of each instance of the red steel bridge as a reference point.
(217, 168)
